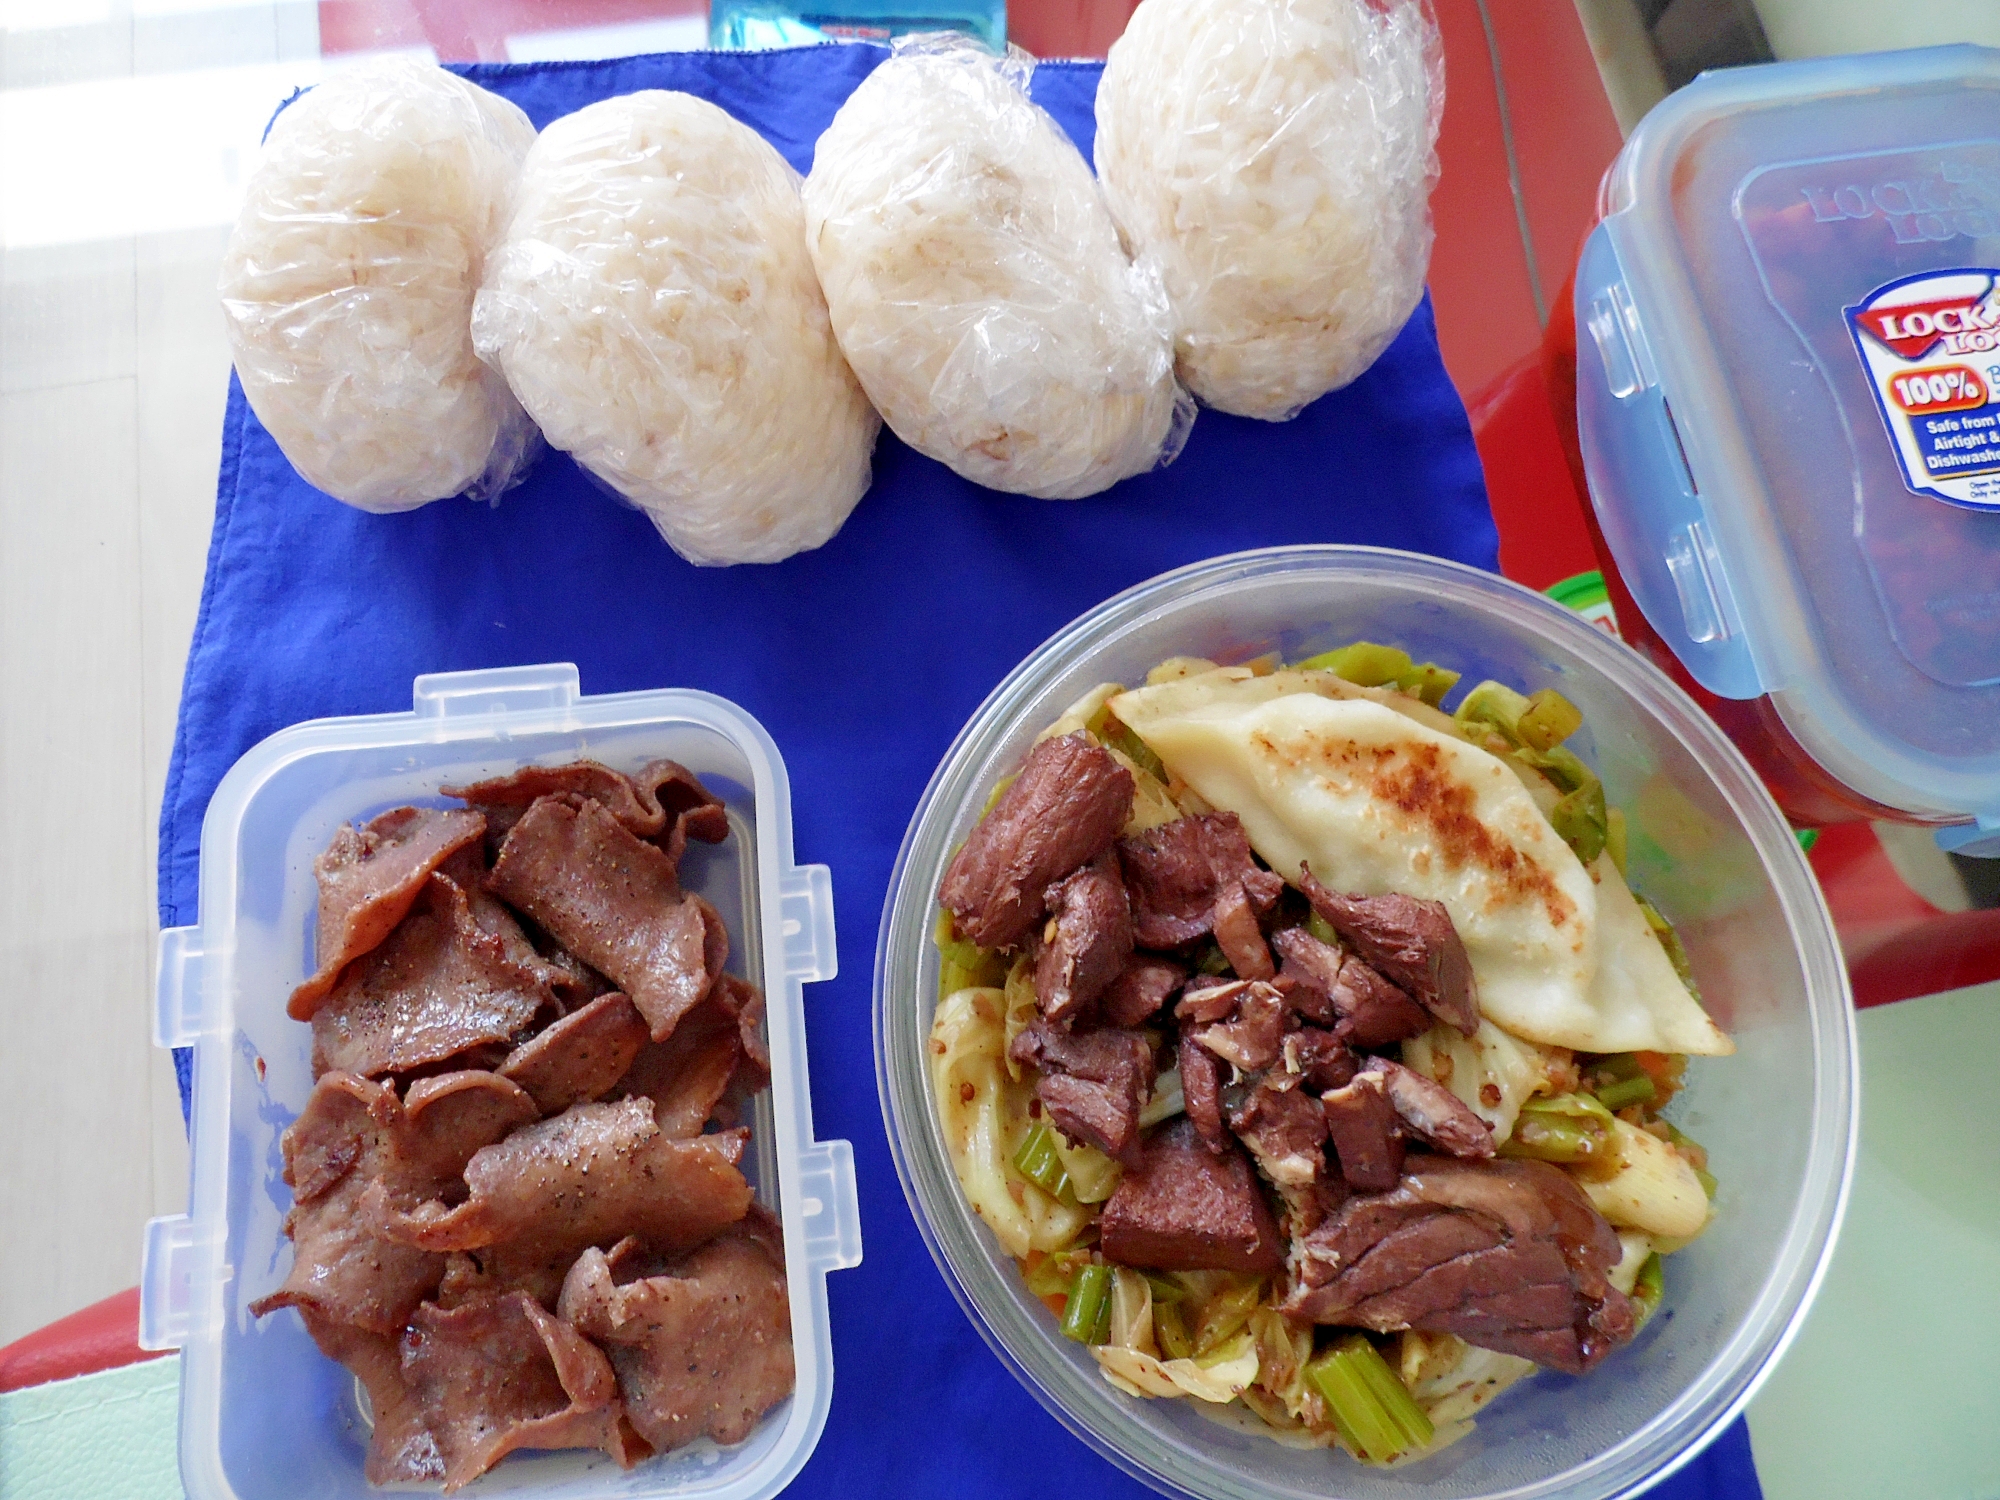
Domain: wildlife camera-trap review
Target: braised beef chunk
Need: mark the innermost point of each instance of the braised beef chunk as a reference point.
(1253, 1034)
(589, 1176)
(1285, 1131)
(702, 1348)
(1091, 941)
(1321, 1059)
(1195, 876)
(1201, 1088)
(615, 902)
(1092, 1084)
(440, 986)
(1307, 998)
(368, 878)
(1145, 984)
(1361, 1122)
(1208, 997)
(490, 1377)
(580, 1057)
(1409, 942)
(1508, 1255)
(1184, 1208)
(1433, 1112)
(1063, 810)
(1373, 1012)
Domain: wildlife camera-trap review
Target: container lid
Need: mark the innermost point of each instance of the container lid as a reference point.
(1789, 403)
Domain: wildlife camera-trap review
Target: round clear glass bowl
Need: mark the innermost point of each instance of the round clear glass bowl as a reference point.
(1707, 845)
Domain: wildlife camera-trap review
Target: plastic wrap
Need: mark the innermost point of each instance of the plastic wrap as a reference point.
(349, 279)
(653, 306)
(1275, 157)
(977, 284)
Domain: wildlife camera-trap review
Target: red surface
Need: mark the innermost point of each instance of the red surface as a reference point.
(101, 1337)
(475, 30)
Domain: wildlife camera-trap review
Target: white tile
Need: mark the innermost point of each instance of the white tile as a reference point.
(75, 892)
(65, 314)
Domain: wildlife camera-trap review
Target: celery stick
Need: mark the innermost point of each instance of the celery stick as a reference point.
(1166, 1293)
(1374, 1411)
(1567, 1128)
(1496, 704)
(1052, 1274)
(1579, 818)
(1087, 1314)
(1363, 663)
(1118, 736)
(1170, 1330)
(1322, 929)
(1649, 1288)
(1428, 682)
(1627, 1091)
(1548, 720)
(1615, 837)
(1212, 960)
(1038, 1161)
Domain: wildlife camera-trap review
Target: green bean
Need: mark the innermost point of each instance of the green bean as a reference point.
(1373, 1410)
(1362, 663)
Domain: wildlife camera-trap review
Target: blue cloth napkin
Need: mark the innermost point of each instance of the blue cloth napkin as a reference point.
(863, 659)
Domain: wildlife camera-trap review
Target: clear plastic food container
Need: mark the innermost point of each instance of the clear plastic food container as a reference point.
(264, 1414)
(1788, 397)
(1706, 845)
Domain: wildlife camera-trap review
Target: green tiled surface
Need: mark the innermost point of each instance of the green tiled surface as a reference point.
(1892, 1389)
(98, 1437)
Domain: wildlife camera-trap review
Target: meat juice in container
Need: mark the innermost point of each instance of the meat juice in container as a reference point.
(1788, 398)
(263, 1413)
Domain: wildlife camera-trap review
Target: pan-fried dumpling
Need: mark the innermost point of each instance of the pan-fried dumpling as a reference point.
(1377, 802)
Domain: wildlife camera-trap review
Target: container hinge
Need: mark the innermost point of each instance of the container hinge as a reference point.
(805, 919)
(549, 689)
(177, 988)
(1979, 839)
(1614, 325)
(1696, 569)
(829, 1207)
(166, 1283)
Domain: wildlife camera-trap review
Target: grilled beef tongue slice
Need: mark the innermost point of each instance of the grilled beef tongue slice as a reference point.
(1145, 984)
(1092, 1084)
(1183, 1208)
(368, 878)
(1063, 810)
(1409, 942)
(1508, 1255)
(1091, 941)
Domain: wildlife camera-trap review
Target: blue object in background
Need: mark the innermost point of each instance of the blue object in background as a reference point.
(863, 659)
(753, 25)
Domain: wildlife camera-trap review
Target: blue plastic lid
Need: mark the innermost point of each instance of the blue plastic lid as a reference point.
(1788, 393)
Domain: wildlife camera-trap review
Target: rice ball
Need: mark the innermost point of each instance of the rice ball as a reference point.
(1275, 157)
(977, 285)
(348, 286)
(653, 306)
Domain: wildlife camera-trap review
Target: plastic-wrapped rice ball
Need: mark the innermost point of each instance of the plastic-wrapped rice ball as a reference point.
(654, 308)
(349, 279)
(977, 284)
(1275, 157)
